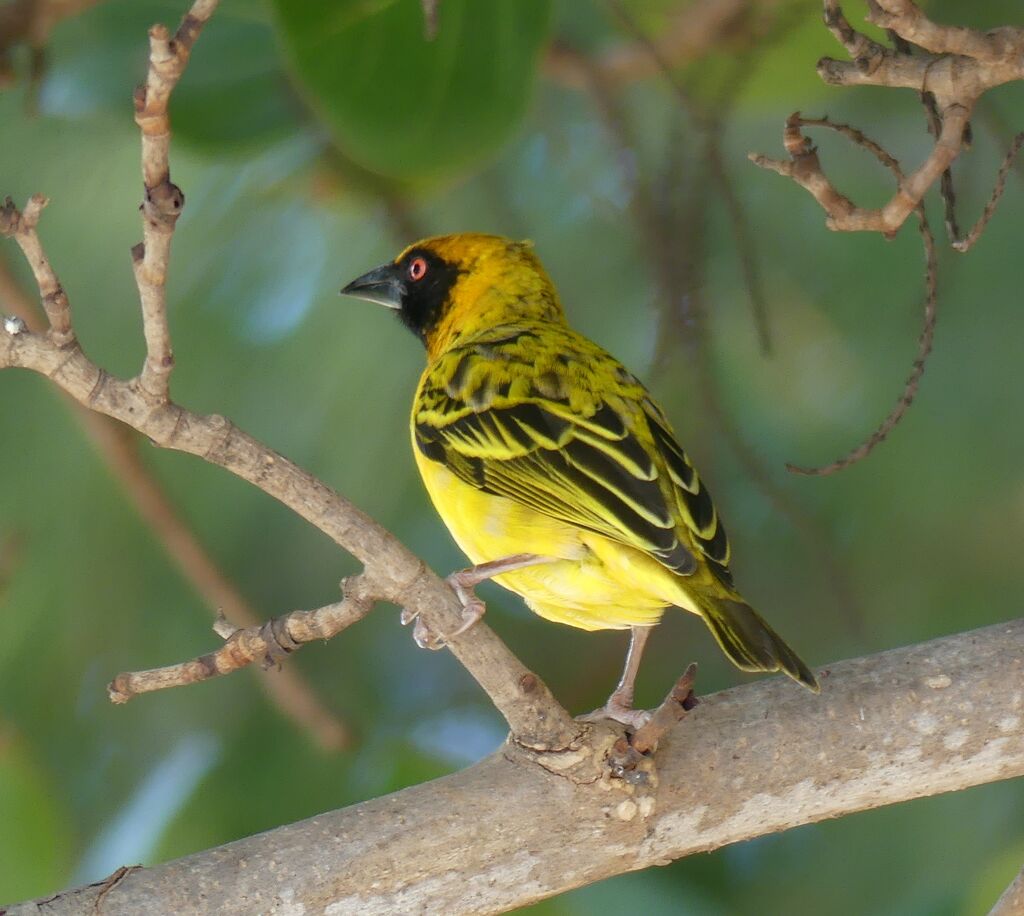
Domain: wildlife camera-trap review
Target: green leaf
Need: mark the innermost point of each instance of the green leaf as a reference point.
(406, 107)
(235, 91)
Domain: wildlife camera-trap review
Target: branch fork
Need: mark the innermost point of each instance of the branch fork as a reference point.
(950, 67)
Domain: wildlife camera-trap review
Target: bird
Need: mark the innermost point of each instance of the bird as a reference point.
(553, 467)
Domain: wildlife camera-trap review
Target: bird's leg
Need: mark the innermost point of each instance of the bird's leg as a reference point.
(620, 704)
(463, 582)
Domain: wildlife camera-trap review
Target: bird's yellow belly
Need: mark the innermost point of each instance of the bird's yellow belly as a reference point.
(594, 583)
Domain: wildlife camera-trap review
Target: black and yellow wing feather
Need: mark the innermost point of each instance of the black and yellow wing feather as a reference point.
(548, 419)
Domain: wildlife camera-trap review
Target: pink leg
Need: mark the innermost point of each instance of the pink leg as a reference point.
(620, 704)
(463, 582)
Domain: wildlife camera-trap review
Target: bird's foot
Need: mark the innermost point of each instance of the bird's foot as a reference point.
(619, 708)
(472, 610)
(463, 582)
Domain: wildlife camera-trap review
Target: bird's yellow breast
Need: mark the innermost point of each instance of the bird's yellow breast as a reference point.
(594, 584)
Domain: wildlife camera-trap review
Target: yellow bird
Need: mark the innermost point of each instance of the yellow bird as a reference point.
(553, 468)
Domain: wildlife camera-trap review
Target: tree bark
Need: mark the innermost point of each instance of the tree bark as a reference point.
(520, 826)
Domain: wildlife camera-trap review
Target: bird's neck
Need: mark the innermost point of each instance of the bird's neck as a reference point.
(479, 304)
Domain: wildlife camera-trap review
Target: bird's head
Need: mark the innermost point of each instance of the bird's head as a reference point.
(452, 286)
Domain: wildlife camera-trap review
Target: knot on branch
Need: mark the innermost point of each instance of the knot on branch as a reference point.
(163, 203)
(279, 641)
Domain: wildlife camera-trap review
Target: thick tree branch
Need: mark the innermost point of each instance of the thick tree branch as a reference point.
(909, 723)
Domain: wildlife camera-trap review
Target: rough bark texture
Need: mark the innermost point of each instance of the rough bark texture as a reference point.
(518, 827)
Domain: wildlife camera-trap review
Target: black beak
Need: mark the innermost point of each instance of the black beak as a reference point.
(382, 285)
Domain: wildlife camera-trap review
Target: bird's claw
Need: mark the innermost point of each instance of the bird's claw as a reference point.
(426, 638)
(472, 610)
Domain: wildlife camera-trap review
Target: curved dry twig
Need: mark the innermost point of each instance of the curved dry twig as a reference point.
(967, 242)
(924, 345)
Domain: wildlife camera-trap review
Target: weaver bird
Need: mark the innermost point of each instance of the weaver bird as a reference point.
(552, 466)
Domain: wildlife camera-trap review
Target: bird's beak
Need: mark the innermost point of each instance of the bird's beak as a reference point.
(382, 285)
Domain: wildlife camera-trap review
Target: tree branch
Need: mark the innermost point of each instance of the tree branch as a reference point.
(391, 572)
(951, 65)
(268, 642)
(285, 687)
(908, 723)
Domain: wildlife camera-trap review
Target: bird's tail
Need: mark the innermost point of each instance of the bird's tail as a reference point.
(749, 642)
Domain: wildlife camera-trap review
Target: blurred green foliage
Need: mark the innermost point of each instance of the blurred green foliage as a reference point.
(925, 536)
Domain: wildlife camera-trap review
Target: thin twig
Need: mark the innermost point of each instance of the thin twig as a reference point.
(286, 688)
(927, 336)
(22, 227)
(967, 242)
(163, 201)
(266, 643)
(677, 703)
(843, 215)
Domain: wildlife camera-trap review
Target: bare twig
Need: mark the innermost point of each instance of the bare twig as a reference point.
(286, 688)
(673, 709)
(163, 200)
(967, 242)
(805, 169)
(22, 228)
(951, 67)
(267, 643)
(924, 346)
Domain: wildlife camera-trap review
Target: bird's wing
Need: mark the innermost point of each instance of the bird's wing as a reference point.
(559, 426)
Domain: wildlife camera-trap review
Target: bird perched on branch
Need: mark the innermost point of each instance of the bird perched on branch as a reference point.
(553, 468)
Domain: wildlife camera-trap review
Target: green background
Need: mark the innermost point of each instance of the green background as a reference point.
(311, 144)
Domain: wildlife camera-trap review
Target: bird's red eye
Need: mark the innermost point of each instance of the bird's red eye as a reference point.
(417, 268)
